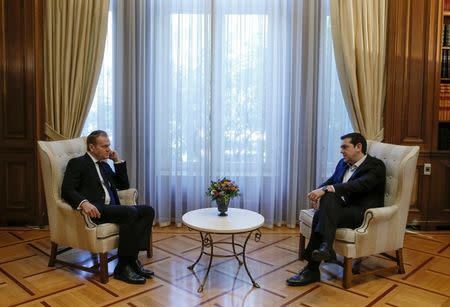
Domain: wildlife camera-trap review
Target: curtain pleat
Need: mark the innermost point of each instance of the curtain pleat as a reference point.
(74, 43)
(359, 39)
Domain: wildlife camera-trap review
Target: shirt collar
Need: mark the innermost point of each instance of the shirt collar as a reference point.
(92, 157)
(357, 164)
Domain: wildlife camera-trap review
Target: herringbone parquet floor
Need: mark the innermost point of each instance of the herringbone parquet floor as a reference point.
(26, 280)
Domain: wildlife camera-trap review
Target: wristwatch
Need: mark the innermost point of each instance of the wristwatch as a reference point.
(325, 189)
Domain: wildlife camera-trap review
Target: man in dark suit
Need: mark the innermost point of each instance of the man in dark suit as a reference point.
(358, 183)
(91, 185)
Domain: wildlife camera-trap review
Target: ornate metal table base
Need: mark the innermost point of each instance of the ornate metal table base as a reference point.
(207, 242)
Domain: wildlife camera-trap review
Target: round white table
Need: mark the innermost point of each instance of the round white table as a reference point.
(238, 221)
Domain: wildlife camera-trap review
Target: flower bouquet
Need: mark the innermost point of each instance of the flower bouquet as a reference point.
(222, 191)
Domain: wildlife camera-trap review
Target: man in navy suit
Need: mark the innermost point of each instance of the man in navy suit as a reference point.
(358, 183)
(91, 185)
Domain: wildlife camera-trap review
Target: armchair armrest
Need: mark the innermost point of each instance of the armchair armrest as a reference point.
(87, 220)
(375, 215)
(73, 216)
(128, 197)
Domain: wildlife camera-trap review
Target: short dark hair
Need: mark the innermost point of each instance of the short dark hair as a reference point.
(356, 138)
(92, 137)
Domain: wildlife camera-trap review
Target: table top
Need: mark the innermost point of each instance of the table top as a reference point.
(208, 220)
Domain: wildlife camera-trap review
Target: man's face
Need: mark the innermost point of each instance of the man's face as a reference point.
(101, 149)
(350, 152)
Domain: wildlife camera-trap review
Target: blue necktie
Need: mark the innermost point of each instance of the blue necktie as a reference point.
(105, 174)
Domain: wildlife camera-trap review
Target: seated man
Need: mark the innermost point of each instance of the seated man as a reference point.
(358, 183)
(91, 185)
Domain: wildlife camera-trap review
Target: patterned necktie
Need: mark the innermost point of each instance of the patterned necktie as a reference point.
(105, 174)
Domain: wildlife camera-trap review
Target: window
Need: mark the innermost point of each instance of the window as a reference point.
(101, 114)
(213, 88)
(219, 82)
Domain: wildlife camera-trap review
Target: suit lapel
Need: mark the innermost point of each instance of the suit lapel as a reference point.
(92, 169)
(361, 167)
(343, 167)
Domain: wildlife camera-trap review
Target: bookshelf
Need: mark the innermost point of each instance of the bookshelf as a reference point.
(443, 121)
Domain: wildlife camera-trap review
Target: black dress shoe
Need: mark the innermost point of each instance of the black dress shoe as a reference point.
(323, 253)
(140, 270)
(305, 277)
(127, 274)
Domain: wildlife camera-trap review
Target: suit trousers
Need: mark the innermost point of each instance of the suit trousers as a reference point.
(135, 223)
(333, 213)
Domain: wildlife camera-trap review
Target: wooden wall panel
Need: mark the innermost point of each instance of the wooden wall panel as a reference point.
(439, 212)
(417, 210)
(18, 69)
(21, 115)
(18, 183)
(411, 71)
(412, 106)
(14, 109)
(19, 200)
(412, 99)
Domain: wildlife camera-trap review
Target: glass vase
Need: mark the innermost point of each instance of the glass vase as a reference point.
(222, 206)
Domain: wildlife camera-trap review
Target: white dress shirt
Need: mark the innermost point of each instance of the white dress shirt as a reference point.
(97, 167)
(349, 172)
(352, 168)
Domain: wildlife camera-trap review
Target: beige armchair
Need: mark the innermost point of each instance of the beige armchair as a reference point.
(383, 229)
(69, 227)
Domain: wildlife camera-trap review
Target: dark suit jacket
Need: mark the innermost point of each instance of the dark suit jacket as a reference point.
(81, 181)
(366, 186)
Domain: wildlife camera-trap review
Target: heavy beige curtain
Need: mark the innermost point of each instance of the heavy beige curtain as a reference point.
(74, 42)
(359, 39)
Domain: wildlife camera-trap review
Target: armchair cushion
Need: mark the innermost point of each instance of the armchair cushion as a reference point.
(306, 217)
(346, 235)
(107, 230)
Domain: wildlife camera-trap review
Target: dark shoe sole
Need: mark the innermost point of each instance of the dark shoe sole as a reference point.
(129, 281)
(301, 283)
(146, 275)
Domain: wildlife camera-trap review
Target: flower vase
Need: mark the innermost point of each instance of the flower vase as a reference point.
(222, 206)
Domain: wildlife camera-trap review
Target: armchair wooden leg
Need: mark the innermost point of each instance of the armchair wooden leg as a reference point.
(301, 247)
(401, 267)
(53, 251)
(150, 246)
(104, 277)
(347, 280)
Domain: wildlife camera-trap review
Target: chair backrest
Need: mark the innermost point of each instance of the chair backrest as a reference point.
(400, 164)
(54, 157)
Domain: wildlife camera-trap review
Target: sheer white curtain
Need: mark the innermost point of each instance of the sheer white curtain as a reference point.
(332, 116)
(204, 89)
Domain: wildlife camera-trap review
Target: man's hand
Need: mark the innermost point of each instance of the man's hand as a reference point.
(90, 210)
(115, 156)
(316, 195)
